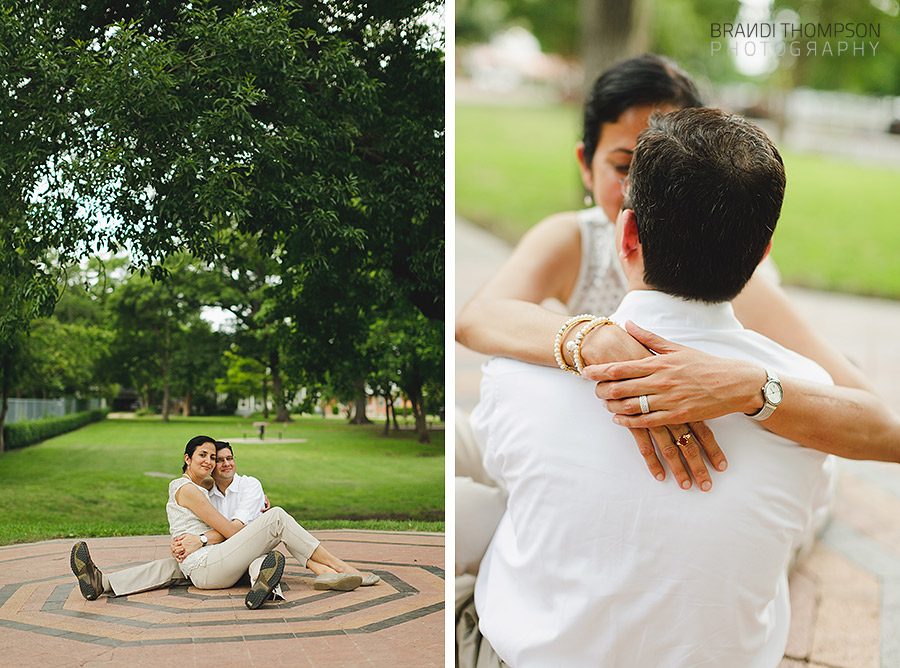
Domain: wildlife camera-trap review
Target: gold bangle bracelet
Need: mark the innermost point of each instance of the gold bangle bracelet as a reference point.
(561, 336)
(579, 339)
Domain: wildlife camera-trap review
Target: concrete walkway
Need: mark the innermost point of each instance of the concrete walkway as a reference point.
(846, 594)
(46, 623)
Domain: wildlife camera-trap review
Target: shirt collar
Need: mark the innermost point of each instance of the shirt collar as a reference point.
(651, 308)
(215, 488)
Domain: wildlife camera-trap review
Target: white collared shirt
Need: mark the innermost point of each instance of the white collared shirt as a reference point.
(243, 499)
(597, 563)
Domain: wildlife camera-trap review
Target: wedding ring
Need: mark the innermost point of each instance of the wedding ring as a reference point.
(645, 405)
(684, 439)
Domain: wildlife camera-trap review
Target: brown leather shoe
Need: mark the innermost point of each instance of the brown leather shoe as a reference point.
(90, 579)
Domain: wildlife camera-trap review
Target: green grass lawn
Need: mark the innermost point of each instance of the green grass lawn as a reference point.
(838, 229)
(93, 482)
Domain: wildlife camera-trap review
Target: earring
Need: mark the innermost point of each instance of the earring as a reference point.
(588, 200)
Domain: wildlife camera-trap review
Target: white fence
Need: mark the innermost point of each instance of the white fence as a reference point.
(22, 410)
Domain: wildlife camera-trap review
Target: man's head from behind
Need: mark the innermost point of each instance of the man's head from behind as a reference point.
(705, 189)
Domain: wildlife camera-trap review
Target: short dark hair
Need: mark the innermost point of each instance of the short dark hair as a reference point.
(706, 188)
(192, 445)
(644, 80)
(221, 445)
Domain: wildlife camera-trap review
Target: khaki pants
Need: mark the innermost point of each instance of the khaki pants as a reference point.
(472, 649)
(480, 503)
(227, 562)
(153, 575)
(163, 573)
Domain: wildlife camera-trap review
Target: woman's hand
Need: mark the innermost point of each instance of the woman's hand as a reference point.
(679, 445)
(184, 545)
(674, 426)
(610, 343)
(681, 385)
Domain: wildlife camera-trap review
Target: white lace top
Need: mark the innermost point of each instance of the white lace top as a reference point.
(601, 284)
(182, 520)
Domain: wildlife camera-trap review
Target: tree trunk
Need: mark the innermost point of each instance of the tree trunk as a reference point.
(265, 397)
(418, 402)
(359, 404)
(165, 373)
(4, 404)
(186, 406)
(281, 411)
(394, 413)
(387, 413)
(611, 30)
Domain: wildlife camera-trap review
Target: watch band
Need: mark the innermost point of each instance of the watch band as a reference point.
(768, 406)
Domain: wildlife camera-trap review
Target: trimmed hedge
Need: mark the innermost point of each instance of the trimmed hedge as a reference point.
(20, 434)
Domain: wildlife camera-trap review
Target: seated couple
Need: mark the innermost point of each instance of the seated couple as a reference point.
(219, 532)
(593, 561)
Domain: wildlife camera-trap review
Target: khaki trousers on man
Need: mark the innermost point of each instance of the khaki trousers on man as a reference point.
(472, 649)
(480, 503)
(160, 574)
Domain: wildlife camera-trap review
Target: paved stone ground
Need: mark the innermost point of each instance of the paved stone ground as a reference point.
(846, 594)
(46, 623)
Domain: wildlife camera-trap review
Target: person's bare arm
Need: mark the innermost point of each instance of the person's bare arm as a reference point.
(194, 500)
(186, 543)
(684, 384)
(764, 307)
(505, 317)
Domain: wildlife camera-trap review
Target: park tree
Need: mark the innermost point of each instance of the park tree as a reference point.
(244, 377)
(315, 127)
(29, 134)
(241, 282)
(407, 351)
(159, 330)
(197, 363)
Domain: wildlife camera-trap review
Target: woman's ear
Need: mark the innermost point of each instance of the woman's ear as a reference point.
(587, 176)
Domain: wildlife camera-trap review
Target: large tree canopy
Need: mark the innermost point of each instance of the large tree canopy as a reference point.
(314, 127)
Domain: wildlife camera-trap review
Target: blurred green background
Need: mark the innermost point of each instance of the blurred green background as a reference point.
(831, 117)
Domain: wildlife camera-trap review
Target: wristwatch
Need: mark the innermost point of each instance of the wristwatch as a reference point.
(203, 540)
(772, 394)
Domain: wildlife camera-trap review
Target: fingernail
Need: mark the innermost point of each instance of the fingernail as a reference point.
(616, 419)
(705, 486)
(660, 476)
(686, 484)
(722, 466)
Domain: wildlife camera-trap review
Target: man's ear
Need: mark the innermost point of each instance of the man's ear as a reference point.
(587, 176)
(768, 250)
(630, 242)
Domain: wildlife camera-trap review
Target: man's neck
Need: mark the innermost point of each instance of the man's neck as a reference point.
(224, 484)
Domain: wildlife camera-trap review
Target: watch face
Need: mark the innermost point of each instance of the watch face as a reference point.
(774, 393)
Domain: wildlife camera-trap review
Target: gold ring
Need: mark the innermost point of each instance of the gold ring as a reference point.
(684, 439)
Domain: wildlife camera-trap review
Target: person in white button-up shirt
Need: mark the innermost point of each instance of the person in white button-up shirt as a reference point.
(595, 563)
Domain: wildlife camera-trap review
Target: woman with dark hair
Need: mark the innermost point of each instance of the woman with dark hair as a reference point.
(570, 258)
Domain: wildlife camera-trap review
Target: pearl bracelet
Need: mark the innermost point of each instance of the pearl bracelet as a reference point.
(579, 338)
(560, 337)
